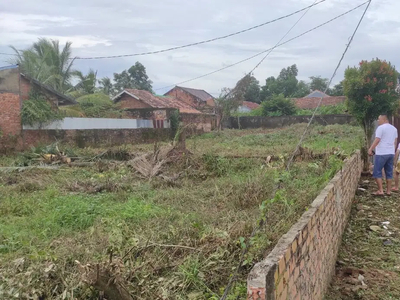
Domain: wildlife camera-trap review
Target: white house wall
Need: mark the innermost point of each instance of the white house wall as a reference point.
(95, 123)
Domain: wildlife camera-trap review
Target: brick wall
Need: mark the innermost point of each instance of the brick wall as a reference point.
(302, 263)
(127, 101)
(10, 110)
(283, 121)
(200, 123)
(95, 137)
(25, 88)
(185, 97)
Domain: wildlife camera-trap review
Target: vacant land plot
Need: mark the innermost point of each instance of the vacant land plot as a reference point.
(369, 259)
(109, 224)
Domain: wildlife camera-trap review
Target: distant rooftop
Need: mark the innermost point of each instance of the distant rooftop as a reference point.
(200, 94)
(317, 94)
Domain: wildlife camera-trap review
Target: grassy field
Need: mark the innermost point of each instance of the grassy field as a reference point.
(158, 239)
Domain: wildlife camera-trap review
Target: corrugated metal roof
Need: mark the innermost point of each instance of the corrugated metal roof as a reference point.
(8, 67)
(161, 101)
(317, 94)
(201, 94)
(65, 99)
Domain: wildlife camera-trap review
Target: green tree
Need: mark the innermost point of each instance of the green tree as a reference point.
(286, 83)
(270, 88)
(133, 78)
(46, 62)
(370, 90)
(106, 86)
(278, 105)
(231, 99)
(337, 90)
(252, 93)
(318, 83)
(303, 89)
(87, 83)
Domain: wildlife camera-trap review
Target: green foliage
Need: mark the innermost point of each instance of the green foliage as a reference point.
(318, 83)
(252, 93)
(337, 90)
(370, 90)
(98, 105)
(133, 78)
(325, 110)
(286, 83)
(278, 105)
(86, 84)
(47, 63)
(38, 111)
(174, 120)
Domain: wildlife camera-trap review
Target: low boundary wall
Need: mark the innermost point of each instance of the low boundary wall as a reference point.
(95, 137)
(302, 263)
(282, 121)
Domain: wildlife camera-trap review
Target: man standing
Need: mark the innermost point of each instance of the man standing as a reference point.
(384, 145)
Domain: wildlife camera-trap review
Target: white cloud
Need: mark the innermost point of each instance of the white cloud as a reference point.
(101, 28)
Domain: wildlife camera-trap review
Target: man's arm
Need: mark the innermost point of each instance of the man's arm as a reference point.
(373, 146)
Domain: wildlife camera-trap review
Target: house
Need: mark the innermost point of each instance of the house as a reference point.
(311, 101)
(198, 99)
(15, 88)
(248, 107)
(144, 105)
(132, 99)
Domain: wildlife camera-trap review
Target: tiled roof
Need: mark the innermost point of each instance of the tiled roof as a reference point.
(311, 103)
(156, 101)
(317, 94)
(251, 105)
(201, 94)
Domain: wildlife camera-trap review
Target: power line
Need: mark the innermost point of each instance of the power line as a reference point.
(262, 222)
(202, 42)
(327, 87)
(262, 52)
(244, 251)
(286, 34)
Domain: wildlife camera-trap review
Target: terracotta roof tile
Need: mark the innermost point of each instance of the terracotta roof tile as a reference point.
(251, 105)
(162, 101)
(311, 103)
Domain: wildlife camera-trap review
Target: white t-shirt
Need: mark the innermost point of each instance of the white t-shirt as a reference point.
(387, 133)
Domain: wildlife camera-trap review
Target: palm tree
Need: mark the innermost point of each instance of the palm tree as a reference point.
(87, 83)
(46, 62)
(106, 86)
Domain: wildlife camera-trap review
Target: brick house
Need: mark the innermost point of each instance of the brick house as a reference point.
(143, 104)
(198, 99)
(15, 88)
(311, 101)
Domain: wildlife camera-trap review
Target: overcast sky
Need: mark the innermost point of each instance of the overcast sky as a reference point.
(103, 27)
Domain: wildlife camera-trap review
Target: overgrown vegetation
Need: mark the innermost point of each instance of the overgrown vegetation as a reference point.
(96, 105)
(177, 235)
(38, 111)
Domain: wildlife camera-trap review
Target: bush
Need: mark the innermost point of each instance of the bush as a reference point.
(278, 105)
(37, 110)
(98, 105)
